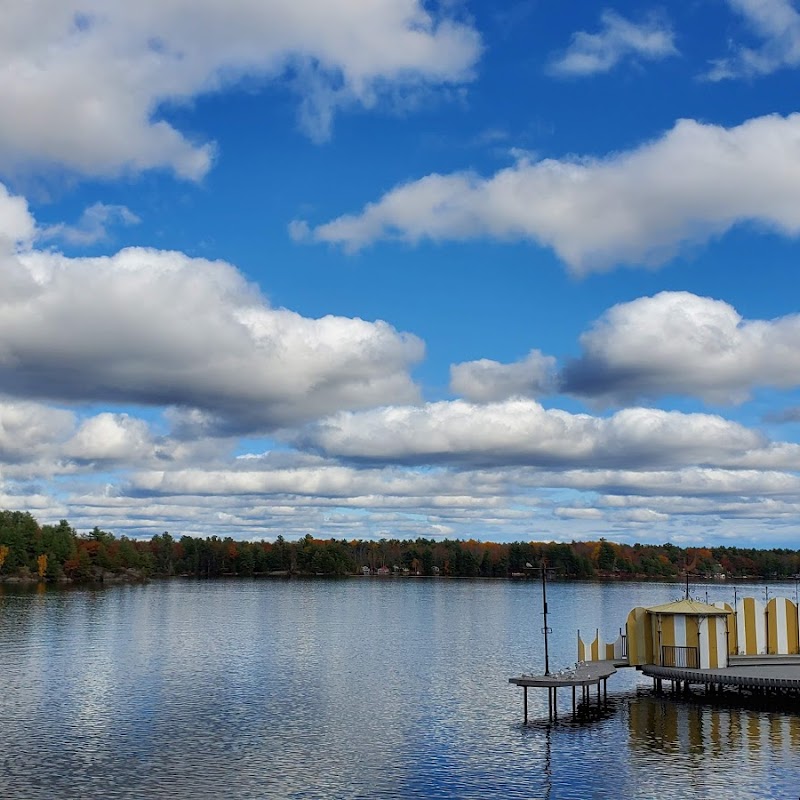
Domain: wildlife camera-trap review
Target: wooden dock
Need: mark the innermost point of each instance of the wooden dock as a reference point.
(757, 674)
(585, 675)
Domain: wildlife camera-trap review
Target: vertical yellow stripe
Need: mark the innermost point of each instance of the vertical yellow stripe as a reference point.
(632, 634)
(772, 626)
(711, 627)
(751, 642)
(668, 631)
(695, 726)
(716, 733)
(753, 729)
(639, 637)
(735, 739)
(667, 635)
(692, 632)
(794, 732)
(581, 650)
(791, 627)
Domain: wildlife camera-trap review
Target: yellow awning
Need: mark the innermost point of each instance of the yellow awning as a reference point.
(688, 608)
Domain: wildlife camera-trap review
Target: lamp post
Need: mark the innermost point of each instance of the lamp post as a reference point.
(543, 570)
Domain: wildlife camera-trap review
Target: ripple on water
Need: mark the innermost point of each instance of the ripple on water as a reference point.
(349, 689)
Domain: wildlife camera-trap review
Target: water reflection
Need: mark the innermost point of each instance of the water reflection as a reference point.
(355, 689)
(722, 751)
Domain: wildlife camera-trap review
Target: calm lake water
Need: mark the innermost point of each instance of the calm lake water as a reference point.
(363, 688)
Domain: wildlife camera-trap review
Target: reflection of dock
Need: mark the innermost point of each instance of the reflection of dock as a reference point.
(584, 675)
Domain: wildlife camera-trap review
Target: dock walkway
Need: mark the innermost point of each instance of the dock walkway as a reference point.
(763, 673)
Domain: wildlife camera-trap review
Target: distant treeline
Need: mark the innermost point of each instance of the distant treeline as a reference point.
(30, 551)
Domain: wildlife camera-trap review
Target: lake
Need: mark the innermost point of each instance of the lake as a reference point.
(359, 688)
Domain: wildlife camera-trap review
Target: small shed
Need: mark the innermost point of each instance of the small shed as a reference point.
(689, 634)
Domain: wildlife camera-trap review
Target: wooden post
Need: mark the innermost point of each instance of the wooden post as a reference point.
(525, 690)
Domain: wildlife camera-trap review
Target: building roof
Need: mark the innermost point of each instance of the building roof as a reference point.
(689, 607)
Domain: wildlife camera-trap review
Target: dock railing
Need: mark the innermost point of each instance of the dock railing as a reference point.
(681, 657)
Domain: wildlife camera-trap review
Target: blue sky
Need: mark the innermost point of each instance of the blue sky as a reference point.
(504, 271)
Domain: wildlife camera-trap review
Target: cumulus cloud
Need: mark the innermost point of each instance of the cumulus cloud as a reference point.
(618, 39)
(677, 343)
(111, 437)
(638, 207)
(40, 441)
(93, 225)
(523, 432)
(87, 80)
(28, 430)
(487, 381)
(160, 328)
(777, 24)
(17, 225)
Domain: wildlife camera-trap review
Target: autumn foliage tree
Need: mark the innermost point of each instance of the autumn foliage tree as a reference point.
(56, 552)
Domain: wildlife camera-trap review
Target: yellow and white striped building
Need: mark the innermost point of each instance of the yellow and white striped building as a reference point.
(692, 634)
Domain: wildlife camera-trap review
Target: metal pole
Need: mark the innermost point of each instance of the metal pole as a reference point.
(526, 704)
(544, 613)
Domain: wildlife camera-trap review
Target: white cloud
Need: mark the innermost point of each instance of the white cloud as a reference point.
(618, 39)
(42, 442)
(683, 482)
(321, 480)
(28, 430)
(777, 24)
(87, 80)
(486, 380)
(293, 494)
(160, 328)
(578, 513)
(17, 226)
(679, 343)
(638, 207)
(523, 432)
(111, 437)
(92, 227)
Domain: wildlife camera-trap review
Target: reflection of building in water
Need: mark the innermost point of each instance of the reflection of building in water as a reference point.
(724, 747)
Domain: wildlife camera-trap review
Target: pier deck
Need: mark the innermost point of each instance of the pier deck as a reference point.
(764, 673)
(585, 675)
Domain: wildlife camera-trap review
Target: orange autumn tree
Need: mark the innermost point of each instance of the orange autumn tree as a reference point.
(4, 551)
(41, 563)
